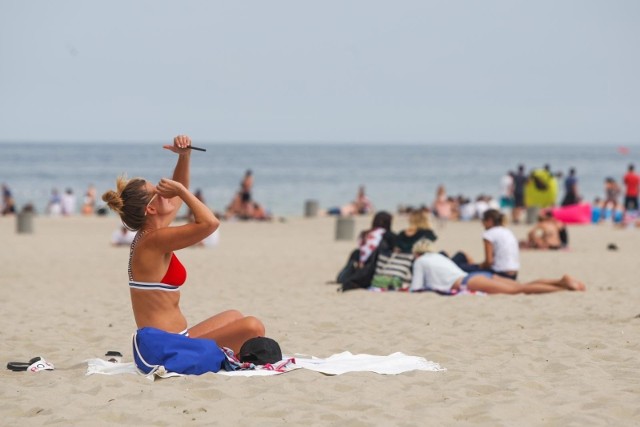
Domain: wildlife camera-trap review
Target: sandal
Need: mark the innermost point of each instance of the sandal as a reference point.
(34, 365)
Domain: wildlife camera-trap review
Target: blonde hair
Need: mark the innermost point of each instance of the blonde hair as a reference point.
(422, 246)
(129, 200)
(420, 220)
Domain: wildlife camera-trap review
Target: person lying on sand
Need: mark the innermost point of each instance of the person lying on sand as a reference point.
(435, 272)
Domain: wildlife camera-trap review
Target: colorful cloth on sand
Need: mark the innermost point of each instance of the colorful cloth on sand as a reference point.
(336, 364)
(234, 364)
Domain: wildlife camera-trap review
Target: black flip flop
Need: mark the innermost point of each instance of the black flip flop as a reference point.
(22, 366)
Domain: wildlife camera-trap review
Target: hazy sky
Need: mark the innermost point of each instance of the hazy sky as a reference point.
(331, 70)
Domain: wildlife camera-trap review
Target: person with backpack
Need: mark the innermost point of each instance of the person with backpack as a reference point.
(360, 267)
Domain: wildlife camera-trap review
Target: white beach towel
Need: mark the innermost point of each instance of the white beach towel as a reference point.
(101, 366)
(337, 364)
(392, 364)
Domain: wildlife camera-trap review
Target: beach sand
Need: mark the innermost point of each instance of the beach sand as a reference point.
(568, 358)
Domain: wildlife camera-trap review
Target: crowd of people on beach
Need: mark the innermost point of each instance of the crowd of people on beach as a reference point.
(383, 260)
(520, 192)
(408, 261)
(539, 190)
(536, 193)
(66, 204)
(361, 205)
(58, 204)
(241, 207)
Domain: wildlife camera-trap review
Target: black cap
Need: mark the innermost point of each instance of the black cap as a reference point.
(260, 351)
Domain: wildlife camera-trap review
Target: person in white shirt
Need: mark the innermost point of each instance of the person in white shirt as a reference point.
(122, 236)
(68, 203)
(435, 272)
(501, 248)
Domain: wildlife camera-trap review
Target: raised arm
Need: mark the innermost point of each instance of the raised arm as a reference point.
(181, 172)
(173, 238)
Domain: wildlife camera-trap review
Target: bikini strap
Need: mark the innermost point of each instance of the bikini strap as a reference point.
(133, 245)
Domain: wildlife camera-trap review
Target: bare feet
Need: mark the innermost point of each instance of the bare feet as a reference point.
(572, 284)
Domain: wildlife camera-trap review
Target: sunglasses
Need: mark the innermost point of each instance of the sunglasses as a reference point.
(151, 200)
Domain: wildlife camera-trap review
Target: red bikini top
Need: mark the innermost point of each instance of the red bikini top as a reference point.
(176, 273)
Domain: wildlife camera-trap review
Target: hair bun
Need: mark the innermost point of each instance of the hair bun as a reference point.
(114, 201)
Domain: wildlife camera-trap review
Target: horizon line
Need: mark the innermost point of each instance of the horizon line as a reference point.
(326, 142)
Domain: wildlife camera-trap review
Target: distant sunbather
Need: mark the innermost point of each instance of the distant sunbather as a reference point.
(435, 272)
(546, 234)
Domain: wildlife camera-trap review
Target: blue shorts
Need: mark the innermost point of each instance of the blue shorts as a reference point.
(463, 284)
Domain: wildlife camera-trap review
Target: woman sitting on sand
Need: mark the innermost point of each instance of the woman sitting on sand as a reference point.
(419, 228)
(155, 273)
(360, 206)
(361, 264)
(435, 272)
(548, 233)
(379, 235)
(501, 249)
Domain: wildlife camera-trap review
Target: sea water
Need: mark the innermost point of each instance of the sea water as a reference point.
(286, 175)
